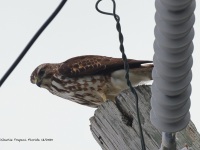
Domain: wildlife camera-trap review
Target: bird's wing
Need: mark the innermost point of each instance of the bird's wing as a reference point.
(94, 64)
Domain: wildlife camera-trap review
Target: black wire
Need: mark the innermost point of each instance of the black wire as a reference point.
(31, 42)
(126, 65)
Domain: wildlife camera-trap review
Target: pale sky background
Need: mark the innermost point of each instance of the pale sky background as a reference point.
(27, 111)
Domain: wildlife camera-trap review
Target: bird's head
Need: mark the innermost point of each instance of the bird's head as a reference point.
(43, 74)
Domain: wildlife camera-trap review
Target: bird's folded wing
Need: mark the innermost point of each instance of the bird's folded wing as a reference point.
(94, 64)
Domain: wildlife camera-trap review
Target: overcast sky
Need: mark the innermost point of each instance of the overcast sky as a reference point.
(27, 111)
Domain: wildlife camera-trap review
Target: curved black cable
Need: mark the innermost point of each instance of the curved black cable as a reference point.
(31, 42)
(126, 65)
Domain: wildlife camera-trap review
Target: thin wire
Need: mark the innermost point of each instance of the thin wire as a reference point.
(31, 42)
(126, 65)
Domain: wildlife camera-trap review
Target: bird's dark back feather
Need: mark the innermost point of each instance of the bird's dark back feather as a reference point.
(94, 64)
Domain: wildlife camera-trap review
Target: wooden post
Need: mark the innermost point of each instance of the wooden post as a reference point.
(115, 126)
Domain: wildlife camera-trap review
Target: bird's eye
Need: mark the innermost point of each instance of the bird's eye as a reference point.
(41, 73)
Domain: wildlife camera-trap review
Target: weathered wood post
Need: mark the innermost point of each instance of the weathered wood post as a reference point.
(115, 127)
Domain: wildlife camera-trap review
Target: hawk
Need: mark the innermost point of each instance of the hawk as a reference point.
(90, 80)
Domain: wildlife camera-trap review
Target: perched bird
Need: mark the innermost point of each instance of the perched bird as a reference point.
(90, 80)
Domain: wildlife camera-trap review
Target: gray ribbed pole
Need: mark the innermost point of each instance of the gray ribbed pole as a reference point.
(172, 74)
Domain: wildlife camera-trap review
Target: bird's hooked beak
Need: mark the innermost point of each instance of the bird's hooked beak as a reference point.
(36, 80)
(39, 83)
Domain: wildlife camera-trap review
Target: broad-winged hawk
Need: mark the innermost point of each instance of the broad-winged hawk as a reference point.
(90, 80)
